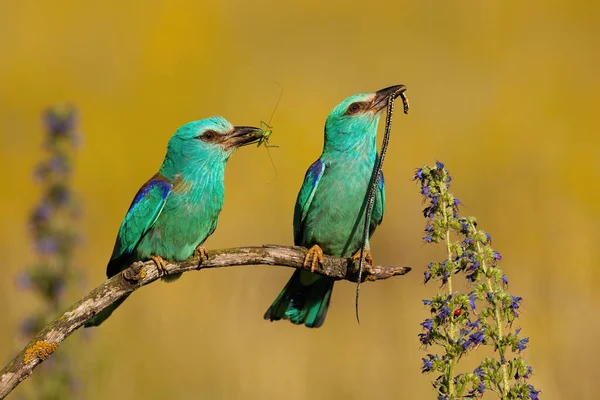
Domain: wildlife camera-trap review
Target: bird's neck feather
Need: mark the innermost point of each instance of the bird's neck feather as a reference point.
(195, 170)
(364, 150)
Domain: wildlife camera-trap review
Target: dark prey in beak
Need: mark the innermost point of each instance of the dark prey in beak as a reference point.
(381, 96)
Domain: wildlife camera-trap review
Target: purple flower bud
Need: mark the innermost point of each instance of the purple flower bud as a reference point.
(427, 275)
(516, 302)
(479, 372)
(489, 238)
(472, 299)
(522, 344)
(439, 165)
(533, 394)
(444, 313)
(425, 190)
(474, 340)
(497, 256)
(428, 239)
(427, 365)
(473, 325)
(425, 338)
(419, 174)
(504, 280)
(427, 324)
(427, 302)
(456, 202)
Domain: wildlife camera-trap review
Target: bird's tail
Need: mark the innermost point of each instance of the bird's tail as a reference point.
(104, 314)
(304, 300)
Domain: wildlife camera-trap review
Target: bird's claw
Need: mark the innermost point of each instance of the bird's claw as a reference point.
(368, 256)
(201, 253)
(160, 265)
(314, 256)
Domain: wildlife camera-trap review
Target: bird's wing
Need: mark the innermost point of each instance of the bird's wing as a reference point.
(305, 196)
(378, 206)
(143, 212)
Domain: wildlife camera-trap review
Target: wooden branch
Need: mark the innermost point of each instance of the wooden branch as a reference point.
(142, 273)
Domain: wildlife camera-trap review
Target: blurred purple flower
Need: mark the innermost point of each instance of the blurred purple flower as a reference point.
(23, 280)
(47, 245)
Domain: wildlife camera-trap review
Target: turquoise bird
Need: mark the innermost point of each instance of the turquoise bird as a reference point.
(177, 209)
(330, 208)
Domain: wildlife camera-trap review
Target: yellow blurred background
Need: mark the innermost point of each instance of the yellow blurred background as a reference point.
(506, 94)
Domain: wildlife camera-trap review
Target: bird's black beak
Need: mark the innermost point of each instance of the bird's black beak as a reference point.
(242, 135)
(381, 96)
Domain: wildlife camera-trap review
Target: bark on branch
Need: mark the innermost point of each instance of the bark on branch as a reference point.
(142, 273)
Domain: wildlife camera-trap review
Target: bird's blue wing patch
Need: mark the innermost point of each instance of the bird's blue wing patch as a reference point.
(143, 212)
(305, 196)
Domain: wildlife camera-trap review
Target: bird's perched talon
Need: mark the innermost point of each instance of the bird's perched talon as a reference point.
(160, 265)
(314, 256)
(368, 256)
(201, 253)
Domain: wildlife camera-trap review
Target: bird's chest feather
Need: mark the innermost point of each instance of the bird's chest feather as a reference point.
(334, 219)
(187, 219)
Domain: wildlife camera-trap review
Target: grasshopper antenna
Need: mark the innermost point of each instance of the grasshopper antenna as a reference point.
(268, 130)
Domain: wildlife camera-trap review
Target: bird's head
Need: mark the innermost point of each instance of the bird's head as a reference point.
(354, 121)
(208, 141)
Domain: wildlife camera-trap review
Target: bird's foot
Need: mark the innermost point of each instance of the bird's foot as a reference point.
(201, 253)
(368, 256)
(314, 256)
(160, 265)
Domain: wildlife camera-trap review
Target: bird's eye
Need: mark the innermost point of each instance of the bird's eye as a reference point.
(353, 108)
(209, 135)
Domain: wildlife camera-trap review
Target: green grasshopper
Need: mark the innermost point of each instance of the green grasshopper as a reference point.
(267, 131)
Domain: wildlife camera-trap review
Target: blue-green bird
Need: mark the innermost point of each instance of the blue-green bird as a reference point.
(177, 209)
(330, 208)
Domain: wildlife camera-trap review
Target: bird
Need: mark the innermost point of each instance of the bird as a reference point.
(177, 209)
(330, 207)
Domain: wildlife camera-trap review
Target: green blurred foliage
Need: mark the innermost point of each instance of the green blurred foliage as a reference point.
(504, 93)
